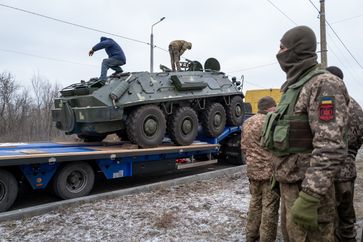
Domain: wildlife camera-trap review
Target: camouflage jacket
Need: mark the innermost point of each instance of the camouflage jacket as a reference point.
(180, 45)
(258, 160)
(324, 98)
(348, 170)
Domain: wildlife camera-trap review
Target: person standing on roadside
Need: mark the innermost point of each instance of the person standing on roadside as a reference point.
(264, 204)
(345, 179)
(308, 133)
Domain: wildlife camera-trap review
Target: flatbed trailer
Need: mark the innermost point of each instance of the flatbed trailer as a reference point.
(69, 168)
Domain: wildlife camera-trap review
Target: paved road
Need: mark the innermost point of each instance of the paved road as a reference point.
(28, 197)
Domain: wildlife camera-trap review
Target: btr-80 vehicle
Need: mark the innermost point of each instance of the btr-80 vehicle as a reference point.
(144, 107)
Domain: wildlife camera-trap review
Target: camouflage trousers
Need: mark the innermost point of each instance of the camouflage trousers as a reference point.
(344, 193)
(263, 211)
(326, 216)
(174, 58)
(285, 235)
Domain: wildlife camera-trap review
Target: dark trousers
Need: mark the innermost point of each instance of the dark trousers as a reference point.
(344, 194)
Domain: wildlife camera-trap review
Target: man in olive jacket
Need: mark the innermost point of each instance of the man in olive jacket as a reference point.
(176, 49)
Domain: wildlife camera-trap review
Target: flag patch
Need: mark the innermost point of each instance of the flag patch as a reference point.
(326, 108)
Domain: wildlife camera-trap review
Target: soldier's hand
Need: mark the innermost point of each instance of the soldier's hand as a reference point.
(305, 211)
(90, 53)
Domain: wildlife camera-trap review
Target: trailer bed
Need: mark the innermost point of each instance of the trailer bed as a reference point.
(60, 152)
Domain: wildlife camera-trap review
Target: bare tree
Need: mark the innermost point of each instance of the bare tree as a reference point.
(25, 115)
(44, 92)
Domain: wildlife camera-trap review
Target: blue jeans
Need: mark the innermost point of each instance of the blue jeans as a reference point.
(112, 63)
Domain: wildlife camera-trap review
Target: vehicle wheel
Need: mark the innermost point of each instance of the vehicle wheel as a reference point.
(234, 111)
(73, 180)
(91, 138)
(230, 151)
(183, 126)
(214, 119)
(146, 126)
(8, 190)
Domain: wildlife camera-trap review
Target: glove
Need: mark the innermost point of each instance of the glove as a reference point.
(305, 211)
(90, 53)
(275, 186)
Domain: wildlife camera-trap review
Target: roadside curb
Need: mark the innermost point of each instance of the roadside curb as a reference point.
(45, 208)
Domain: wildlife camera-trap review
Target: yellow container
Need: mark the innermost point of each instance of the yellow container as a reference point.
(252, 96)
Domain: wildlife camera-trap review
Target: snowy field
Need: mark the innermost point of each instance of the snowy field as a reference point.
(210, 210)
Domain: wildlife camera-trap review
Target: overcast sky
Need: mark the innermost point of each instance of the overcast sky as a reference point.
(243, 35)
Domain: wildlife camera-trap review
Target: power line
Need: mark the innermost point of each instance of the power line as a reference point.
(340, 40)
(254, 67)
(45, 57)
(73, 24)
(314, 6)
(282, 12)
(343, 63)
(347, 19)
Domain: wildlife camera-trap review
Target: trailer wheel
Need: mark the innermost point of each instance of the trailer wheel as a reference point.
(183, 126)
(8, 190)
(230, 151)
(235, 111)
(73, 180)
(214, 119)
(146, 126)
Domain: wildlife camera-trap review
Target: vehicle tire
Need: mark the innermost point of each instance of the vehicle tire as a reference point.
(213, 119)
(183, 126)
(146, 126)
(91, 138)
(234, 111)
(247, 111)
(73, 180)
(230, 151)
(8, 190)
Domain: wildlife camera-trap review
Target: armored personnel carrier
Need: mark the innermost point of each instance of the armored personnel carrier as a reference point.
(144, 107)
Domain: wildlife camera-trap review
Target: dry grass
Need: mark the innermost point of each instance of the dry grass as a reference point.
(165, 220)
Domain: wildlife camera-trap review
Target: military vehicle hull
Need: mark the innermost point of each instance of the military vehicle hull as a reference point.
(143, 107)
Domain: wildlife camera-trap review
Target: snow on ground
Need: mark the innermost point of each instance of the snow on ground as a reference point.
(212, 210)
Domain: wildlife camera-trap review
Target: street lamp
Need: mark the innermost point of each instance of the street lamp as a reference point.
(152, 45)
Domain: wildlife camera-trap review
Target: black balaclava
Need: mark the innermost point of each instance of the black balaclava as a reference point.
(300, 54)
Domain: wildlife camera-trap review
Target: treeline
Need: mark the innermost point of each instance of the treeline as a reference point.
(25, 113)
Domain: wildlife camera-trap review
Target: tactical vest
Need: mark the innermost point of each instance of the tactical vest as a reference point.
(285, 132)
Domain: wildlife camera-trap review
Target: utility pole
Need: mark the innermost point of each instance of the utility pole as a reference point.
(323, 46)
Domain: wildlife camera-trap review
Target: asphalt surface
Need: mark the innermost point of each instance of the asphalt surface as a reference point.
(28, 197)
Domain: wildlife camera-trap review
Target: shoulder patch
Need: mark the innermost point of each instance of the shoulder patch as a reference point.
(326, 108)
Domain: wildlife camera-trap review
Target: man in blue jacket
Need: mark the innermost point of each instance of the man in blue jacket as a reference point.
(116, 56)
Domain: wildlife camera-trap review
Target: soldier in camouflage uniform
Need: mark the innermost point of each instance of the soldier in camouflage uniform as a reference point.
(307, 131)
(264, 204)
(176, 49)
(344, 181)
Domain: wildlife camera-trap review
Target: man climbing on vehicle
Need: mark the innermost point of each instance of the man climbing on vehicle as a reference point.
(116, 56)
